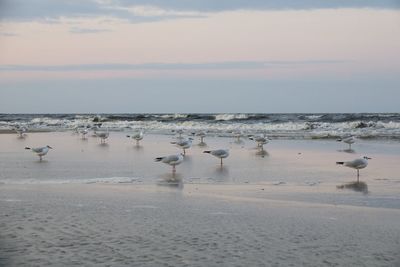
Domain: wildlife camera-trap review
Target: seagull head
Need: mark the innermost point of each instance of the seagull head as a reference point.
(367, 158)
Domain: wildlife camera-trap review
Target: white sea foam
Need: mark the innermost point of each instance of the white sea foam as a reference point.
(284, 125)
(108, 180)
(228, 117)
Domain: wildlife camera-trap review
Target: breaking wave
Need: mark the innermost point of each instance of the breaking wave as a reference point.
(363, 125)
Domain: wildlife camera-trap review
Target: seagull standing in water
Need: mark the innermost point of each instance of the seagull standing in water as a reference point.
(179, 132)
(202, 135)
(356, 164)
(103, 136)
(40, 151)
(237, 135)
(348, 140)
(261, 140)
(20, 131)
(136, 136)
(84, 132)
(219, 153)
(171, 160)
(184, 144)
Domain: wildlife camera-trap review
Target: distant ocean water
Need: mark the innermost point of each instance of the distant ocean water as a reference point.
(292, 126)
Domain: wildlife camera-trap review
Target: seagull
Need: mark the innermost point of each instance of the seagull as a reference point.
(21, 131)
(356, 164)
(202, 135)
(84, 132)
(103, 135)
(261, 140)
(348, 140)
(219, 153)
(184, 144)
(171, 160)
(40, 151)
(137, 136)
(237, 135)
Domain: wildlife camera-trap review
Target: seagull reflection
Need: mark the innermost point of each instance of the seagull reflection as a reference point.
(262, 153)
(221, 174)
(355, 186)
(103, 145)
(171, 180)
(350, 151)
(137, 147)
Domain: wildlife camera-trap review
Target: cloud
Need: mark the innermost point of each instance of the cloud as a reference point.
(168, 66)
(154, 11)
(142, 10)
(8, 34)
(79, 30)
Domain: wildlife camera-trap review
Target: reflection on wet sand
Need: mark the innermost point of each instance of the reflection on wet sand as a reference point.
(43, 161)
(238, 142)
(138, 147)
(221, 174)
(355, 186)
(202, 144)
(171, 180)
(351, 151)
(262, 153)
(103, 145)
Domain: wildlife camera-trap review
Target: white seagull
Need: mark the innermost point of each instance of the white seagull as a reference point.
(20, 131)
(348, 140)
(261, 140)
(179, 132)
(40, 151)
(137, 136)
(171, 160)
(103, 135)
(83, 132)
(356, 164)
(202, 135)
(219, 153)
(184, 144)
(237, 135)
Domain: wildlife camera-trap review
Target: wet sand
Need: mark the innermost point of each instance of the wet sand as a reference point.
(111, 205)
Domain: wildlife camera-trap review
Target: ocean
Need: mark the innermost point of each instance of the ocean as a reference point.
(286, 126)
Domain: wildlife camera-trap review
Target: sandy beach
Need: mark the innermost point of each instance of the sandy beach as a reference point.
(112, 205)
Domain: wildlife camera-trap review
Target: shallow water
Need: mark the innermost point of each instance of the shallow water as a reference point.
(287, 160)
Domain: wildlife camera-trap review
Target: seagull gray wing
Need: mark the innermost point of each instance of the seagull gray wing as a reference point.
(38, 149)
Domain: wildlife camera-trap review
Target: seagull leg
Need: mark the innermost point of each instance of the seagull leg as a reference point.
(221, 161)
(40, 158)
(358, 176)
(173, 169)
(184, 152)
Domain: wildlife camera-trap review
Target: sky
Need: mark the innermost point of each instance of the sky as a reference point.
(203, 56)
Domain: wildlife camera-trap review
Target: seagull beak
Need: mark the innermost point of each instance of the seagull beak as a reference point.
(339, 140)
